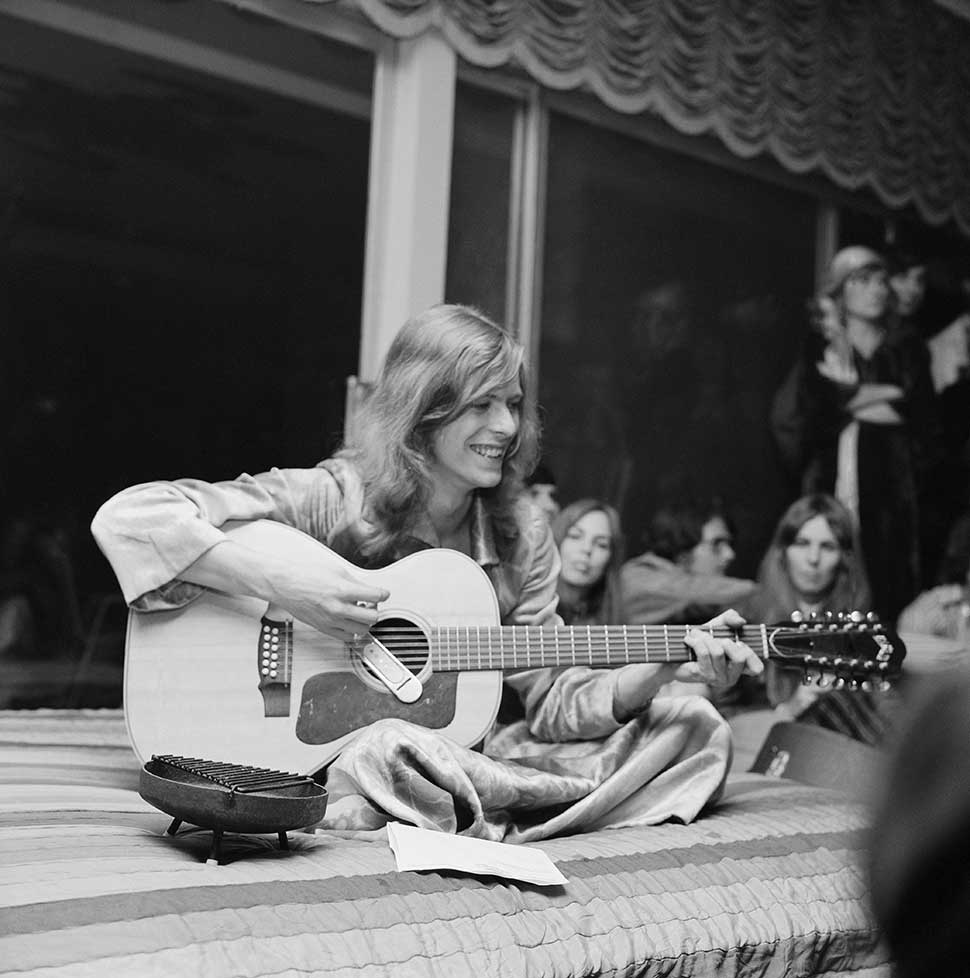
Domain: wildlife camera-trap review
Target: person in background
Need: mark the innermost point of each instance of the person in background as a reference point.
(681, 577)
(944, 610)
(907, 279)
(543, 490)
(919, 840)
(812, 568)
(444, 440)
(860, 420)
(945, 492)
(590, 541)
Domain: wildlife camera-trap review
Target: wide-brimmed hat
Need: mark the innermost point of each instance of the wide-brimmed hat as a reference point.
(847, 262)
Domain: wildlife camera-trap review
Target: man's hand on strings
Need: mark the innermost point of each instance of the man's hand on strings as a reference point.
(719, 662)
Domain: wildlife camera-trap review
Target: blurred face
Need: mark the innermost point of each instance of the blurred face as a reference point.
(544, 495)
(866, 293)
(714, 553)
(813, 559)
(586, 550)
(909, 288)
(468, 452)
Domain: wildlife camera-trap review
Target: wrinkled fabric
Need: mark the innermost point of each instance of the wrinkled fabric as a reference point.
(871, 95)
(666, 764)
(561, 748)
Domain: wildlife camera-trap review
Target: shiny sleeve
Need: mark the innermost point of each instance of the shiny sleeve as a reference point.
(150, 533)
(574, 703)
(535, 571)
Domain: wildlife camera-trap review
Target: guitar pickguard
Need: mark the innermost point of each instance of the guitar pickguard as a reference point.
(336, 704)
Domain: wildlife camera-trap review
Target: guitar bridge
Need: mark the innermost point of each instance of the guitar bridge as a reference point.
(274, 656)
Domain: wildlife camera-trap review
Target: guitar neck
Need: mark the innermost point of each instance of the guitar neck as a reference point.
(460, 649)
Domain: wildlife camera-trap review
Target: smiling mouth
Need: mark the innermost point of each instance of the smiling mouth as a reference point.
(488, 451)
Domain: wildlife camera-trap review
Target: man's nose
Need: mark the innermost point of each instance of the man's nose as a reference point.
(503, 420)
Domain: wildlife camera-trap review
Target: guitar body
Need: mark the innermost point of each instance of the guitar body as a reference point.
(214, 680)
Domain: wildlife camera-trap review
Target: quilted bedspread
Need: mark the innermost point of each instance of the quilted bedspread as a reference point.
(769, 883)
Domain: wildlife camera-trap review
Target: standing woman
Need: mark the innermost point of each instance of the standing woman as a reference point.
(812, 566)
(861, 422)
(590, 541)
(446, 436)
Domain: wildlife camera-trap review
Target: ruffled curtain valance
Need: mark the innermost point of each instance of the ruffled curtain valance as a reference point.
(873, 93)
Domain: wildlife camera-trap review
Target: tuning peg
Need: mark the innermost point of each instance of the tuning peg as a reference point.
(839, 683)
(866, 686)
(797, 617)
(872, 617)
(857, 617)
(854, 684)
(885, 685)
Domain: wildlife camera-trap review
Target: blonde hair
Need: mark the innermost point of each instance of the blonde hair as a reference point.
(441, 361)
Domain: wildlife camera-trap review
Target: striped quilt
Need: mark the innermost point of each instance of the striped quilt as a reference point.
(767, 884)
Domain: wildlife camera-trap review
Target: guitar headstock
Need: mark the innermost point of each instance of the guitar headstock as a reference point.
(842, 650)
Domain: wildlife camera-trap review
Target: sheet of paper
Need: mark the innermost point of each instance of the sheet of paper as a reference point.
(415, 848)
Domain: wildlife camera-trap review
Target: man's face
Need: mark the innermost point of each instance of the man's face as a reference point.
(909, 288)
(715, 552)
(545, 496)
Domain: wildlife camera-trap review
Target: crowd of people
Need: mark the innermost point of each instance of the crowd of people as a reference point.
(446, 455)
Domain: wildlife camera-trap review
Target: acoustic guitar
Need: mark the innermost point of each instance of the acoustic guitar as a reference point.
(227, 676)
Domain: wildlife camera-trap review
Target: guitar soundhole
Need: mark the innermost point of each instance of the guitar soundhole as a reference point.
(405, 641)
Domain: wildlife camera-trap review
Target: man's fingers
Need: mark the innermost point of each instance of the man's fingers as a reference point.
(721, 661)
(746, 658)
(726, 619)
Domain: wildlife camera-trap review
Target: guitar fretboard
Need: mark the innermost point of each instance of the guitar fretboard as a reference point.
(526, 647)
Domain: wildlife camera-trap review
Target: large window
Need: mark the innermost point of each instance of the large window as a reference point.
(181, 293)
(674, 295)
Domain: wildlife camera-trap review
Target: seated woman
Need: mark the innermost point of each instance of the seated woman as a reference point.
(812, 566)
(590, 541)
(445, 439)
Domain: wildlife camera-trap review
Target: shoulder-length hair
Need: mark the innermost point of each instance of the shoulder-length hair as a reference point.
(441, 361)
(777, 597)
(604, 604)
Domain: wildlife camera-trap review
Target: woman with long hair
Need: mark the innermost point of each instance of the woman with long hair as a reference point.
(590, 541)
(444, 442)
(812, 567)
(812, 564)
